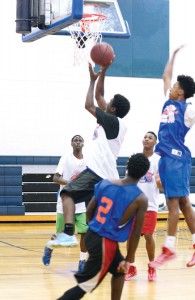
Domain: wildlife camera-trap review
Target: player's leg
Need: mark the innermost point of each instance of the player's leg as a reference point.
(168, 250)
(148, 231)
(66, 238)
(171, 172)
(189, 215)
(117, 283)
(78, 190)
(81, 226)
(173, 207)
(187, 209)
(101, 252)
(117, 280)
(132, 272)
(82, 244)
(184, 202)
(48, 250)
(150, 247)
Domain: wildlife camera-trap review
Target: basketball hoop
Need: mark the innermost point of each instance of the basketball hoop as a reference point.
(85, 34)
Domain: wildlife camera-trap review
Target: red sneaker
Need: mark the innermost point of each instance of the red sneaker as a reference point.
(165, 256)
(151, 273)
(191, 263)
(131, 273)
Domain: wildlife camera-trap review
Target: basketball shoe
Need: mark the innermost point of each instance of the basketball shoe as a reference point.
(151, 273)
(191, 263)
(63, 240)
(131, 273)
(81, 265)
(47, 256)
(165, 256)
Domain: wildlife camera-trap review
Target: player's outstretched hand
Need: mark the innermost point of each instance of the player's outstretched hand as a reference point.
(93, 75)
(178, 49)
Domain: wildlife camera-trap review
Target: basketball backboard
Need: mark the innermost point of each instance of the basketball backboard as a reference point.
(60, 14)
(57, 14)
(114, 24)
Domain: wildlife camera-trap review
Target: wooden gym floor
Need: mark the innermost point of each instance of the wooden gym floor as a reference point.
(23, 276)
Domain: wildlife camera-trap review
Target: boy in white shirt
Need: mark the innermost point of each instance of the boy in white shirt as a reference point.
(68, 168)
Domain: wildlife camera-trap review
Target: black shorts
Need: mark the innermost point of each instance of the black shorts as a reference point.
(81, 189)
(104, 257)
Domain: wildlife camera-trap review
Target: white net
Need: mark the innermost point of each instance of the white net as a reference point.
(85, 34)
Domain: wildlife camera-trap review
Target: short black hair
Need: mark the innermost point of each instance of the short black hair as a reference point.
(75, 136)
(154, 134)
(121, 104)
(187, 84)
(137, 165)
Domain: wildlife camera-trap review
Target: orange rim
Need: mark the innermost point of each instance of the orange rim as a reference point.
(90, 18)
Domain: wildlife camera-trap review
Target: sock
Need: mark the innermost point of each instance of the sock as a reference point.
(170, 242)
(69, 228)
(193, 240)
(83, 255)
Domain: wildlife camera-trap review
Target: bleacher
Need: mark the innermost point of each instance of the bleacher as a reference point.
(11, 191)
(31, 191)
(27, 187)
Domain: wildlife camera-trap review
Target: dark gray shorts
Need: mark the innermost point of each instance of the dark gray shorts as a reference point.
(81, 189)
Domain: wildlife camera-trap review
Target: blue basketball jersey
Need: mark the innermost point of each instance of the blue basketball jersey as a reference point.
(112, 201)
(172, 131)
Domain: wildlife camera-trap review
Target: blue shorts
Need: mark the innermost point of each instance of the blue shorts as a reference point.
(175, 177)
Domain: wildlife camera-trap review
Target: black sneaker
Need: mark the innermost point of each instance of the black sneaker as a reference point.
(47, 256)
(81, 265)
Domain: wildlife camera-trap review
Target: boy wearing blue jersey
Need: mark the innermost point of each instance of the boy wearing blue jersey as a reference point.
(111, 214)
(177, 118)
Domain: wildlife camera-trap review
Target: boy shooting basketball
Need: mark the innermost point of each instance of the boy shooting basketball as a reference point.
(107, 140)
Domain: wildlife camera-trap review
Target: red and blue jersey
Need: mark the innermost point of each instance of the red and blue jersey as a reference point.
(112, 201)
(172, 131)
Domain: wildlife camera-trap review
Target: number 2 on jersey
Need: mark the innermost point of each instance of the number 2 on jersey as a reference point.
(104, 209)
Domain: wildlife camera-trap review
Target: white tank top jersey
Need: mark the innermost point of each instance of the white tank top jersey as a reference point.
(69, 167)
(148, 183)
(104, 152)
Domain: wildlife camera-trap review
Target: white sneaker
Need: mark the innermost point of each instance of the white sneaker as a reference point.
(63, 240)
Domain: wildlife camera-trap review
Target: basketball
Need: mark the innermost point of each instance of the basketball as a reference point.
(102, 54)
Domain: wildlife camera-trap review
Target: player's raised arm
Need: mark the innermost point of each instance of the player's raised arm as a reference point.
(168, 71)
(99, 92)
(89, 103)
